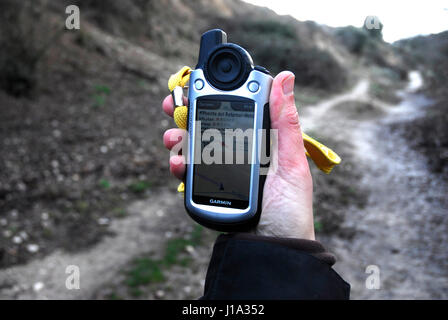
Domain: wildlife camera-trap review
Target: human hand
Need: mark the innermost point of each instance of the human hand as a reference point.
(287, 206)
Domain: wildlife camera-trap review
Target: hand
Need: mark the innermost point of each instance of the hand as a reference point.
(287, 206)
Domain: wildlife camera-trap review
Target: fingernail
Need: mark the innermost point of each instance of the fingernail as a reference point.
(288, 85)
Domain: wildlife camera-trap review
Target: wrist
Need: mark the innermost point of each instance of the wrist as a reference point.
(277, 231)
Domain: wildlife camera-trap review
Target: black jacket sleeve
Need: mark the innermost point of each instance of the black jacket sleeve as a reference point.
(247, 266)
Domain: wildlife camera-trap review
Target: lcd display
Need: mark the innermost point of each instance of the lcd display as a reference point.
(223, 151)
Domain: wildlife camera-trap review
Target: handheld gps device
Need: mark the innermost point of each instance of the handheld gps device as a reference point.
(228, 136)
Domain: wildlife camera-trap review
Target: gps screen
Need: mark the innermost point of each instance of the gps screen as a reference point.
(223, 151)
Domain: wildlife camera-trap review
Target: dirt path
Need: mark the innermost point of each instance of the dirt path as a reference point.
(150, 223)
(403, 228)
(312, 115)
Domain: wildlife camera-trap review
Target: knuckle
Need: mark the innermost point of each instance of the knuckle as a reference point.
(292, 116)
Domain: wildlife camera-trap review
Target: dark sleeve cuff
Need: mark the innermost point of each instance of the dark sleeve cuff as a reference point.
(314, 248)
(247, 266)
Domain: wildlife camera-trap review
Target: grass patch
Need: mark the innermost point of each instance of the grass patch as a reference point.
(143, 84)
(100, 95)
(81, 206)
(146, 270)
(318, 226)
(101, 89)
(114, 296)
(139, 186)
(104, 183)
(172, 251)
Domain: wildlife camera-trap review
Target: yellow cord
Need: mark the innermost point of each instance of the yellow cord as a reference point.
(180, 78)
(324, 158)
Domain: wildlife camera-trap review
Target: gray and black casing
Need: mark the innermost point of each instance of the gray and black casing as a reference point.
(217, 217)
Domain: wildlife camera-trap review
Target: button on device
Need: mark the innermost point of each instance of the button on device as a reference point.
(253, 86)
(262, 69)
(199, 84)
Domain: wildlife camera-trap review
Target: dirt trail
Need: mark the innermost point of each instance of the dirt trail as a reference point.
(150, 223)
(403, 228)
(312, 115)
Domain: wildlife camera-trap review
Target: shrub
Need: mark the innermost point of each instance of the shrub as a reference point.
(24, 39)
(354, 39)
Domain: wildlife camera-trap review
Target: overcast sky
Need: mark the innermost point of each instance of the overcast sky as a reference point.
(401, 19)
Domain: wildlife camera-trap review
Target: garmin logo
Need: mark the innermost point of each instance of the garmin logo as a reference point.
(226, 203)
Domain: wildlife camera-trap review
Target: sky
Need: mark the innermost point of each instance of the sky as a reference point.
(401, 19)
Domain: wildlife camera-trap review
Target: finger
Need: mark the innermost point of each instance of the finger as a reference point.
(284, 118)
(168, 104)
(177, 167)
(174, 136)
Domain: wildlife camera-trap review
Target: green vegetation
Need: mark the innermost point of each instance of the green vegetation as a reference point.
(376, 89)
(104, 183)
(101, 89)
(146, 270)
(99, 101)
(369, 45)
(113, 296)
(81, 206)
(139, 186)
(143, 84)
(318, 227)
(172, 250)
(100, 94)
(354, 39)
(360, 40)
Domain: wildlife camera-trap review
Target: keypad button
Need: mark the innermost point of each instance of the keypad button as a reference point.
(253, 86)
(199, 84)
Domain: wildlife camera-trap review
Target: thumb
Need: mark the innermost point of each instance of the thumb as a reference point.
(289, 150)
